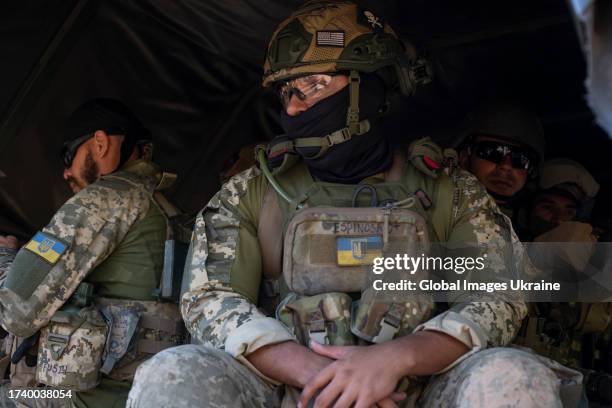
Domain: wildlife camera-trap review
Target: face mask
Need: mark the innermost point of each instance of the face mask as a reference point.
(352, 161)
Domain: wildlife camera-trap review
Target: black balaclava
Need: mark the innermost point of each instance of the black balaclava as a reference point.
(352, 161)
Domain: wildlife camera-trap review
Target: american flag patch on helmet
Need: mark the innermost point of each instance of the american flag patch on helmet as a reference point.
(330, 38)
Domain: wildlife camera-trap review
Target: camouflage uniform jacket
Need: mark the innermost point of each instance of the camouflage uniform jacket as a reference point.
(90, 225)
(223, 271)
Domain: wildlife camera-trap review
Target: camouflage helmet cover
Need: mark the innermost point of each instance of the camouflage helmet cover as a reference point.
(330, 36)
(568, 176)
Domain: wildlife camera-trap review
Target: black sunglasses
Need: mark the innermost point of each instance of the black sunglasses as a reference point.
(69, 149)
(496, 152)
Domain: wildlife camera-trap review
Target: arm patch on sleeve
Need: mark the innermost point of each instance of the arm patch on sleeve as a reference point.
(33, 262)
(47, 247)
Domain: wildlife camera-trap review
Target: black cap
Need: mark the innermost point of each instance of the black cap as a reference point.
(109, 115)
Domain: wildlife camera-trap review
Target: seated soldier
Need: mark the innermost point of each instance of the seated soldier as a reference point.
(334, 65)
(566, 191)
(502, 146)
(564, 249)
(91, 275)
(559, 213)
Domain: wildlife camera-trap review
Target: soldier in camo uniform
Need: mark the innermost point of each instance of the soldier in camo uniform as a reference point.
(565, 247)
(85, 284)
(502, 146)
(340, 195)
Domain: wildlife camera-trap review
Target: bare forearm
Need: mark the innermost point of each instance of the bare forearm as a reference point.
(427, 352)
(288, 363)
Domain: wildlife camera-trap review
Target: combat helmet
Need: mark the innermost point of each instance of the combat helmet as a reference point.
(506, 120)
(325, 36)
(567, 177)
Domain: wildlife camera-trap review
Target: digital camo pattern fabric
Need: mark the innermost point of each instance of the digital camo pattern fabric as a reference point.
(214, 306)
(504, 377)
(196, 376)
(74, 364)
(212, 259)
(89, 225)
(218, 305)
(215, 312)
(479, 221)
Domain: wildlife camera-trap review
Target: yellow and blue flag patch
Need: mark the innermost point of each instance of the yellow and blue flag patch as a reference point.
(47, 247)
(358, 250)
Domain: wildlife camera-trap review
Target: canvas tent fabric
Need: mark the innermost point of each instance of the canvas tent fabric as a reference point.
(191, 70)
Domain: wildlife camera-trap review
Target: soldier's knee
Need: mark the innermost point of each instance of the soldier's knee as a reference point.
(513, 363)
(178, 377)
(511, 377)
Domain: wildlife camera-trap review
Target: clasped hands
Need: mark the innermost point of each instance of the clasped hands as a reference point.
(360, 377)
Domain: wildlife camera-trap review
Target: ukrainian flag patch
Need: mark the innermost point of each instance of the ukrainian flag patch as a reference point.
(47, 247)
(358, 250)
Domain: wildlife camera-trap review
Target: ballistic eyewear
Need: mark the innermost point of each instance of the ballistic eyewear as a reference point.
(496, 152)
(70, 148)
(309, 89)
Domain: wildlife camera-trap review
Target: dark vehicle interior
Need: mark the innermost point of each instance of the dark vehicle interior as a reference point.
(192, 71)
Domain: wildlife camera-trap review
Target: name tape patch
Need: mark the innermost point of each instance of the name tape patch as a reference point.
(47, 247)
(334, 38)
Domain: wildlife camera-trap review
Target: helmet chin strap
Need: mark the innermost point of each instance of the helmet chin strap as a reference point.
(353, 126)
(352, 115)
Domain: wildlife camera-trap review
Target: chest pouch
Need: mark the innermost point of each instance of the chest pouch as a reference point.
(329, 252)
(324, 318)
(71, 348)
(331, 249)
(379, 316)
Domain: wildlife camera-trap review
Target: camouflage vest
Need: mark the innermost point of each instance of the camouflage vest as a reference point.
(133, 270)
(331, 232)
(115, 310)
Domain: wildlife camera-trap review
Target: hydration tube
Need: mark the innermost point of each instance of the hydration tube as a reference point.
(263, 165)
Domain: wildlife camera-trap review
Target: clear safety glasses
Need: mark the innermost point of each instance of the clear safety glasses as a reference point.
(310, 89)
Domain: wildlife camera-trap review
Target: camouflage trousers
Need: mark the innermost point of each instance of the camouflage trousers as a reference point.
(197, 376)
